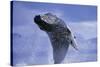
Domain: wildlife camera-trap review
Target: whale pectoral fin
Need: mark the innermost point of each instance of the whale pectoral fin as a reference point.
(73, 43)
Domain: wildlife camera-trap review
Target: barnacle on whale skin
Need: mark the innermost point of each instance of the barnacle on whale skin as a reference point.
(59, 33)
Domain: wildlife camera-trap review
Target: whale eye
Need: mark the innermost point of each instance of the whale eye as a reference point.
(75, 37)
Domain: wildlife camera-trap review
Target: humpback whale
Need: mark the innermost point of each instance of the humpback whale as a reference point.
(59, 34)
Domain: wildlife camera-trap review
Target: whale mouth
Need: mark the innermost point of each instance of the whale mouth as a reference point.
(37, 20)
(43, 25)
